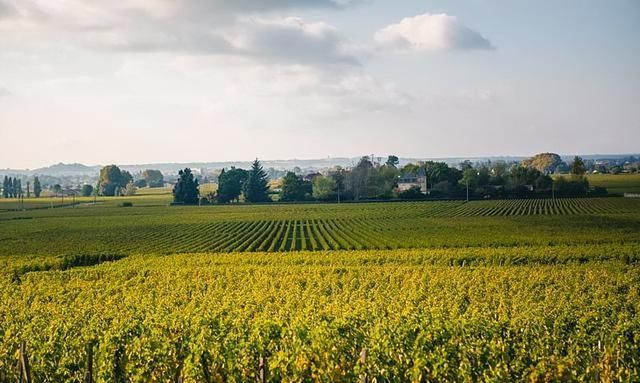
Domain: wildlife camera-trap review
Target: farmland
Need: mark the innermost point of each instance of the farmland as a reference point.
(618, 183)
(505, 290)
(157, 229)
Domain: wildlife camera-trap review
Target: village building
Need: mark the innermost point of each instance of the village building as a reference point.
(408, 181)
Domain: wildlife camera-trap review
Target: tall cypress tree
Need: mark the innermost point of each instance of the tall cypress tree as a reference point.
(5, 187)
(257, 184)
(12, 187)
(37, 188)
(17, 188)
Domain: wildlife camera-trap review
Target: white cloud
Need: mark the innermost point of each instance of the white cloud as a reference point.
(316, 92)
(190, 26)
(96, 12)
(291, 39)
(430, 32)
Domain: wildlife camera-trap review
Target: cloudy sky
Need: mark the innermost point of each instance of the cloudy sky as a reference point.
(139, 81)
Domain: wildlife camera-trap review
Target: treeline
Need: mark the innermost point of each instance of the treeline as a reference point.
(251, 185)
(530, 178)
(114, 181)
(372, 180)
(12, 188)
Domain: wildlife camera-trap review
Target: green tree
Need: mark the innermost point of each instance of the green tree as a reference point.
(469, 177)
(17, 188)
(574, 187)
(440, 173)
(37, 187)
(578, 167)
(186, 190)
(384, 180)
(359, 179)
(413, 192)
(57, 189)
(497, 173)
(126, 177)
(86, 190)
(153, 178)
(410, 169)
(230, 184)
(112, 180)
(295, 188)
(141, 183)
(257, 186)
(543, 183)
(338, 179)
(520, 175)
(466, 164)
(392, 161)
(483, 176)
(324, 188)
(6, 188)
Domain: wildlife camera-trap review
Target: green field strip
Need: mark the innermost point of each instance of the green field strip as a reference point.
(263, 242)
(275, 240)
(356, 233)
(334, 237)
(237, 237)
(285, 242)
(250, 236)
(371, 234)
(322, 241)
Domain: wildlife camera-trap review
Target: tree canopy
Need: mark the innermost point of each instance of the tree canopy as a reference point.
(323, 188)
(230, 184)
(257, 186)
(153, 178)
(544, 162)
(86, 190)
(186, 190)
(578, 167)
(392, 161)
(113, 180)
(295, 188)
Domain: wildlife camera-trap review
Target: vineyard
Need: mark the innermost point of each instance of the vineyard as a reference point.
(561, 206)
(512, 290)
(157, 229)
(210, 318)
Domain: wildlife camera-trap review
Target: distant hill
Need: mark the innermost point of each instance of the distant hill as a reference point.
(61, 169)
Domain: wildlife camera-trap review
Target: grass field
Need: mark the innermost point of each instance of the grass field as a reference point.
(514, 290)
(618, 183)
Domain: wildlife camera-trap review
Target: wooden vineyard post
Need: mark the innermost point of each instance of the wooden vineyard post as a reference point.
(25, 371)
(262, 369)
(178, 376)
(363, 361)
(88, 375)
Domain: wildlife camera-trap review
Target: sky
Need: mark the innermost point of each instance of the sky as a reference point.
(149, 81)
